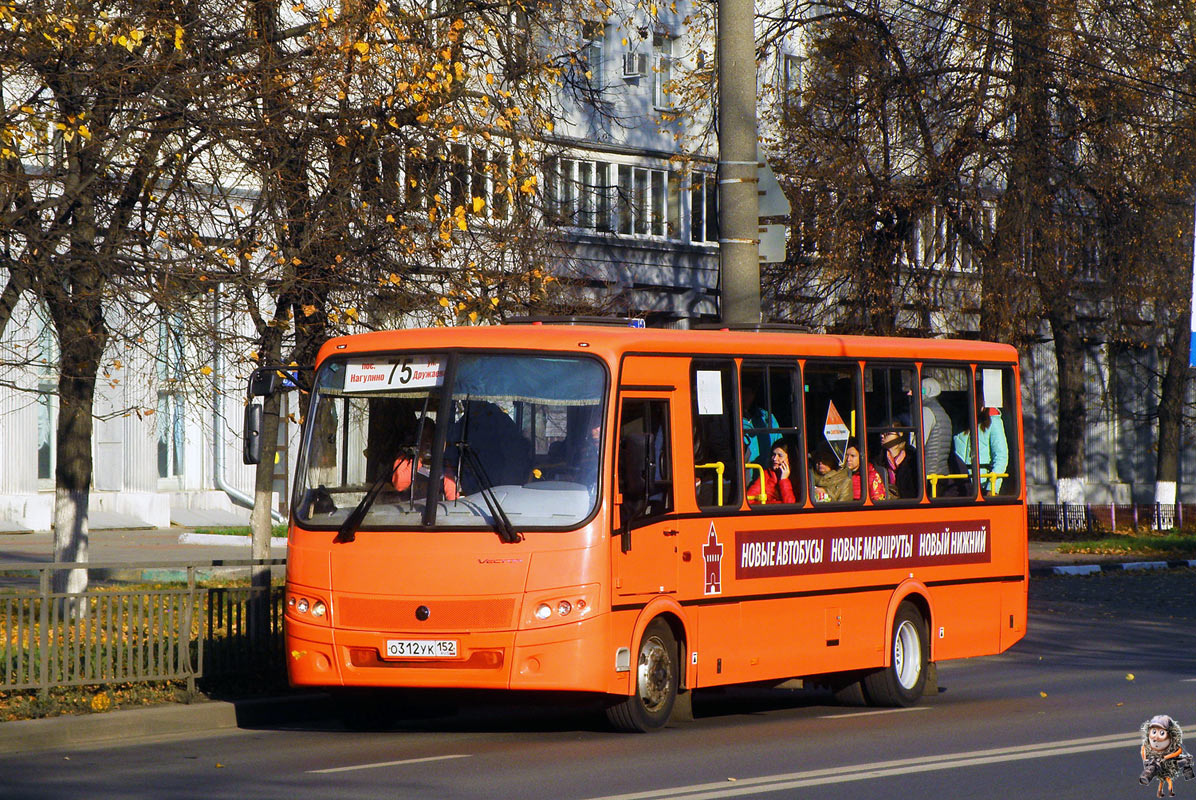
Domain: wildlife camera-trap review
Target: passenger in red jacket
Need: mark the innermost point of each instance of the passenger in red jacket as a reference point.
(777, 487)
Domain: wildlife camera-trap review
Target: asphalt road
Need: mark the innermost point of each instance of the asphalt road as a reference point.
(1056, 717)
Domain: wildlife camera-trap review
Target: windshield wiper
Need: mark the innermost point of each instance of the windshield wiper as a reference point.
(348, 530)
(502, 523)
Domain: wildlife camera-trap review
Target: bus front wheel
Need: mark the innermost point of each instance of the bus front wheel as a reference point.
(655, 672)
(902, 682)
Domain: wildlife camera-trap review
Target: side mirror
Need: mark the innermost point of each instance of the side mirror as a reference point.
(264, 382)
(252, 434)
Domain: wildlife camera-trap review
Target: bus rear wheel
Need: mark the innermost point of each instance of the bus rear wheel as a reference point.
(902, 682)
(656, 677)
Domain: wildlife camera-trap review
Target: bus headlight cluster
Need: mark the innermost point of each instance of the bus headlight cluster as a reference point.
(307, 606)
(563, 609)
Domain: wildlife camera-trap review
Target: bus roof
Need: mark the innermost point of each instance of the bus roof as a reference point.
(612, 342)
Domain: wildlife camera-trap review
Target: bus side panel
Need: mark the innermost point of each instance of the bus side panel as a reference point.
(1014, 609)
(968, 619)
(720, 652)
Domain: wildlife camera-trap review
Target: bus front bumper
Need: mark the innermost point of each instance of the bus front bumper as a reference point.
(572, 657)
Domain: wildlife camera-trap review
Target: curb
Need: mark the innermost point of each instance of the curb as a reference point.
(155, 723)
(1090, 569)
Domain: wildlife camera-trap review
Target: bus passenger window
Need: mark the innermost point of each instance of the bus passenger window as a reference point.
(946, 412)
(992, 455)
(718, 476)
(771, 437)
(893, 437)
(831, 419)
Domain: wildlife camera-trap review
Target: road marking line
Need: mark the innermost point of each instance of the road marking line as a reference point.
(874, 713)
(884, 769)
(385, 764)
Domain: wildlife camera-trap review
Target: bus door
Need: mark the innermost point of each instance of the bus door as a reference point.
(644, 539)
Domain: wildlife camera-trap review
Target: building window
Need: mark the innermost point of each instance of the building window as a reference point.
(579, 193)
(465, 177)
(791, 80)
(47, 403)
(703, 208)
(593, 57)
(171, 406)
(662, 70)
(643, 207)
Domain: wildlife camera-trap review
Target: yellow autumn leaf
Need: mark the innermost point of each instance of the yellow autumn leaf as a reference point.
(422, 118)
(178, 37)
(308, 310)
(444, 302)
(494, 302)
(205, 370)
(478, 204)
(1129, 676)
(362, 47)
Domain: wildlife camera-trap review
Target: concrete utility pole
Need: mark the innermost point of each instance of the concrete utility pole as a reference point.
(739, 253)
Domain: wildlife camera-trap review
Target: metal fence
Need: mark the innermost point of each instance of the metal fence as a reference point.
(1071, 520)
(136, 622)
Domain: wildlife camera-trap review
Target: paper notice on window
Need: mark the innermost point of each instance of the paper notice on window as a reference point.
(991, 384)
(710, 393)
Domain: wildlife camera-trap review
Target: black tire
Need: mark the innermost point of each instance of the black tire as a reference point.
(655, 672)
(902, 682)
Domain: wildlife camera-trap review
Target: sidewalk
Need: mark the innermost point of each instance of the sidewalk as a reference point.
(1045, 559)
(136, 545)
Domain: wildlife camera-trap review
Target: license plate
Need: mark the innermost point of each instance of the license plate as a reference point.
(421, 648)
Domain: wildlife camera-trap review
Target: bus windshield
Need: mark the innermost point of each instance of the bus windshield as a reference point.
(517, 436)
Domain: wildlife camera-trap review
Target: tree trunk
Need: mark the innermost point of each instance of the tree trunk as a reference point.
(1171, 412)
(1072, 415)
(82, 345)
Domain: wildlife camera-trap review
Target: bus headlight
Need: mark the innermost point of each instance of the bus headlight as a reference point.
(561, 606)
(307, 607)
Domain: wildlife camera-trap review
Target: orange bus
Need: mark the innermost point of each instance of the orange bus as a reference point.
(590, 507)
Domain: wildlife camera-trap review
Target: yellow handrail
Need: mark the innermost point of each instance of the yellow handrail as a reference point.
(719, 468)
(934, 479)
(763, 496)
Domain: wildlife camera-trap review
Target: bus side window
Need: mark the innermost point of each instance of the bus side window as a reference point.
(947, 411)
(832, 417)
(773, 451)
(995, 421)
(893, 437)
(718, 475)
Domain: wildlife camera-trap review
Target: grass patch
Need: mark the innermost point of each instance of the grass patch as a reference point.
(276, 531)
(63, 700)
(1174, 545)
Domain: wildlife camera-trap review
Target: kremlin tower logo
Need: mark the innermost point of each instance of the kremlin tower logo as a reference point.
(712, 555)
